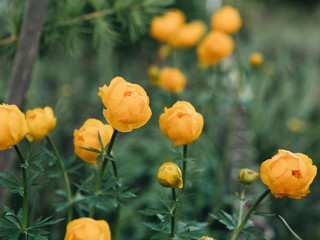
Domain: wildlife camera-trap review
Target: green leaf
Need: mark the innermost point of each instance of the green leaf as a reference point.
(226, 219)
(11, 181)
(91, 149)
(36, 167)
(153, 211)
(256, 233)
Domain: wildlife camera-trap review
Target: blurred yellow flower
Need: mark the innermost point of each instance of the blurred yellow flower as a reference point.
(247, 176)
(181, 123)
(188, 35)
(127, 105)
(288, 174)
(88, 229)
(226, 19)
(164, 51)
(256, 59)
(87, 136)
(172, 79)
(214, 47)
(13, 126)
(163, 27)
(41, 122)
(169, 175)
(296, 125)
(153, 72)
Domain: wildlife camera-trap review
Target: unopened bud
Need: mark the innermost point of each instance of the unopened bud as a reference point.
(169, 175)
(247, 176)
(206, 238)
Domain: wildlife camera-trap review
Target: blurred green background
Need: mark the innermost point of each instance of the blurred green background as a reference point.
(249, 113)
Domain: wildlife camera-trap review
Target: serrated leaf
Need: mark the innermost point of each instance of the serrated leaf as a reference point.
(226, 219)
(153, 211)
(99, 159)
(10, 234)
(258, 234)
(36, 167)
(91, 149)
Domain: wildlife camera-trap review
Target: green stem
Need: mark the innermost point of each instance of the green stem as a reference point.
(184, 165)
(25, 193)
(102, 169)
(173, 217)
(64, 176)
(15, 217)
(250, 212)
(243, 191)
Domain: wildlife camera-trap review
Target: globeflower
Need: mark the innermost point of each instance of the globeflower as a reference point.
(181, 123)
(214, 47)
(87, 136)
(172, 79)
(169, 175)
(188, 35)
(256, 59)
(41, 122)
(288, 174)
(13, 126)
(88, 229)
(127, 105)
(163, 27)
(227, 19)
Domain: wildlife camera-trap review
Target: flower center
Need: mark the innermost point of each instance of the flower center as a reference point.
(296, 173)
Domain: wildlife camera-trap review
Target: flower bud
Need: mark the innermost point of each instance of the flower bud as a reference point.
(88, 229)
(247, 176)
(41, 122)
(256, 59)
(13, 126)
(169, 175)
(87, 136)
(153, 72)
(206, 238)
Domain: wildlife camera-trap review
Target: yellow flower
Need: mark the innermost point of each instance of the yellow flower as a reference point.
(164, 51)
(163, 27)
(256, 59)
(227, 19)
(153, 72)
(87, 136)
(41, 122)
(188, 35)
(172, 79)
(288, 174)
(181, 123)
(127, 105)
(214, 47)
(206, 238)
(247, 176)
(88, 229)
(169, 175)
(13, 126)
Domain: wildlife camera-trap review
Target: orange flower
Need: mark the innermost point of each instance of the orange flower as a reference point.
(256, 59)
(87, 136)
(169, 175)
(88, 229)
(164, 26)
(127, 105)
(227, 19)
(188, 35)
(13, 126)
(288, 174)
(181, 123)
(172, 79)
(41, 122)
(215, 46)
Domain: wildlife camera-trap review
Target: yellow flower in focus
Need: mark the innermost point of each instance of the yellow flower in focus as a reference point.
(87, 136)
(127, 105)
(188, 35)
(181, 123)
(88, 229)
(288, 174)
(13, 126)
(163, 27)
(214, 47)
(296, 125)
(206, 238)
(226, 19)
(172, 79)
(256, 59)
(169, 175)
(247, 176)
(41, 122)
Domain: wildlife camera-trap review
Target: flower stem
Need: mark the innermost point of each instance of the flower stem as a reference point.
(25, 193)
(102, 169)
(64, 176)
(173, 217)
(250, 212)
(184, 164)
(243, 191)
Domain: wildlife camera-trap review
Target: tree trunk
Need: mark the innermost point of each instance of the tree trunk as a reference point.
(26, 53)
